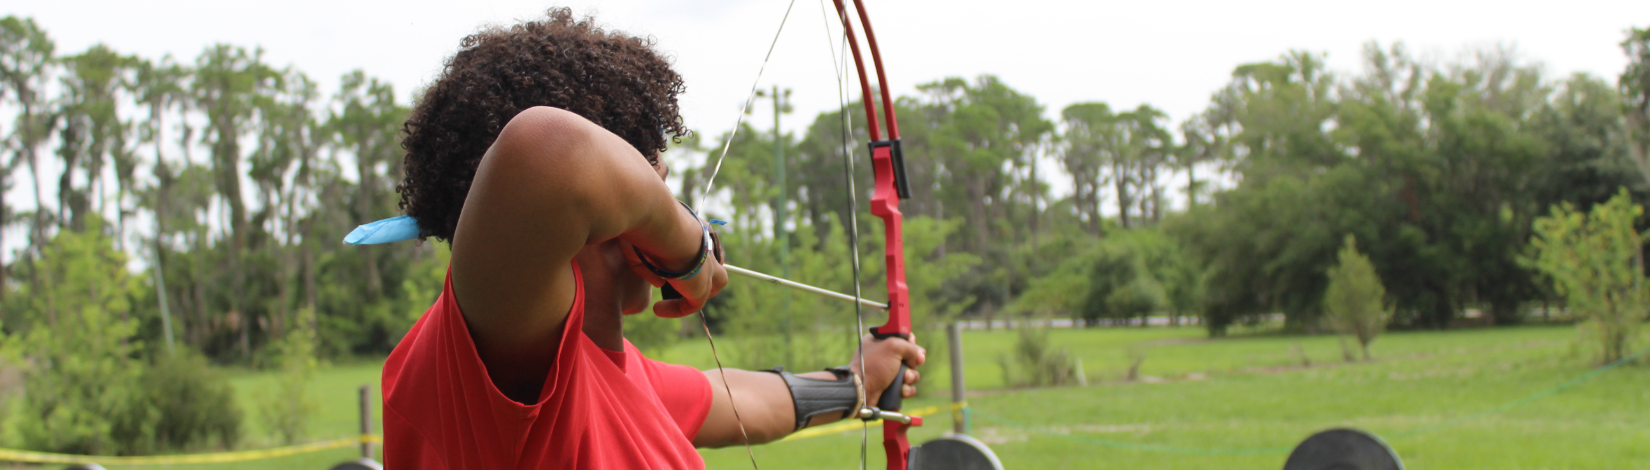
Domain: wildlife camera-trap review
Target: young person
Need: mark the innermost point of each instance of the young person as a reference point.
(536, 155)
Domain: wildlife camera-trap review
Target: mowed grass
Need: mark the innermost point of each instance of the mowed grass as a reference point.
(1238, 402)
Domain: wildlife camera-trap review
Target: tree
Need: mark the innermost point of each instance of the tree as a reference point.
(228, 83)
(368, 124)
(1355, 302)
(980, 137)
(1137, 148)
(94, 135)
(159, 87)
(1202, 143)
(1635, 94)
(1595, 260)
(1083, 127)
(26, 56)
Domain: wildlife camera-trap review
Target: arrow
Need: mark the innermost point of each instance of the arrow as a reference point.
(801, 287)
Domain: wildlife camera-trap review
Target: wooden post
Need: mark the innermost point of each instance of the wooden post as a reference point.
(366, 421)
(959, 419)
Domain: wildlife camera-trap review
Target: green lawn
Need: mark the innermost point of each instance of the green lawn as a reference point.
(1228, 403)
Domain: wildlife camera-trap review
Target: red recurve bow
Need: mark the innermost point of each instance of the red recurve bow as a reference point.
(888, 165)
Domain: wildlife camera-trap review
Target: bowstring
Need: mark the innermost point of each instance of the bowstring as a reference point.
(749, 99)
(838, 66)
(704, 321)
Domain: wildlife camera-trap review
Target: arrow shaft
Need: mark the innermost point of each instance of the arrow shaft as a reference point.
(801, 287)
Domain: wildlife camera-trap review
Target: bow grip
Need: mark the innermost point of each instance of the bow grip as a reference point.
(890, 398)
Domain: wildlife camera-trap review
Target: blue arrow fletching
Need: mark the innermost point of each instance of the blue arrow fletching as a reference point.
(393, 229)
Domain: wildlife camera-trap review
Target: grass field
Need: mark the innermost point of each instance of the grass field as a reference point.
(1237, 402)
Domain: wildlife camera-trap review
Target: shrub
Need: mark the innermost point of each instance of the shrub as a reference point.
(1036, 362)
(196, 405)
(1355, 302)
(83, 390)
(287, 406)
(1594, 260)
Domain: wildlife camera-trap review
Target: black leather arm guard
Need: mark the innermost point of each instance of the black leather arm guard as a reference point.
(815, 397)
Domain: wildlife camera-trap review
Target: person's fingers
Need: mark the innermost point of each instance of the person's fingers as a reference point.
(635, 263)
(912, 376)
(908, 352)
(908, 391)
(718, 278)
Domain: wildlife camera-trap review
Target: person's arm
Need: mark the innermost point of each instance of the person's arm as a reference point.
(550, 184)
(764, 401)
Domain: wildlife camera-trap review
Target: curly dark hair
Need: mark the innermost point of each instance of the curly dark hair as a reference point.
(615, 80)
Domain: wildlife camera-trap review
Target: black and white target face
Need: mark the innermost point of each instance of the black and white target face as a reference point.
(954, 452)
(1343, 449)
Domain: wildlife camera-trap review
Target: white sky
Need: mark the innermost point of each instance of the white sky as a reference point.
(1171, 54)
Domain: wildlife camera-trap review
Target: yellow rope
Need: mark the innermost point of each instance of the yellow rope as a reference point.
(844, 426)
(13, 455)
(27, 456)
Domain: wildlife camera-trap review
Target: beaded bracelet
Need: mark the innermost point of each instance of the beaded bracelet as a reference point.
(704, 253)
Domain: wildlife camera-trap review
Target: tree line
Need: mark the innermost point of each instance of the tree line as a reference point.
(232, 180)
(190, 211)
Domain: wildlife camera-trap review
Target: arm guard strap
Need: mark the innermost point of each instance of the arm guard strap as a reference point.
(815, 397)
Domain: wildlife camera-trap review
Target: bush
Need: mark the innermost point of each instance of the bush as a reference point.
(1595, 260)
(1036, 362)
(287, 406)
(196, 405)
(1355, 302)
(86, 389)
(1129, 274)
(83, 386)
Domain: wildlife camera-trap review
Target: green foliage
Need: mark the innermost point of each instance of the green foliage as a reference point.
(1440, 171)
(1131, 148)
(426, 280)
(195, 404)
(1437, 170)
(83, 390)
(1634, 86)
(1595, 261)
(653, 334)
(288, 407)
(1127, 275)
(1036, 362)
(1355, 301)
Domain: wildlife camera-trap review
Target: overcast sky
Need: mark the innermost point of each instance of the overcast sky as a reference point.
(1171, 54)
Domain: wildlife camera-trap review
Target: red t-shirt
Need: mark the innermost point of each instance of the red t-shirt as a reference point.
(598, 409)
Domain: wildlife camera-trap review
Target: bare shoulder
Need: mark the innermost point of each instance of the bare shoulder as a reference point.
(542, 127)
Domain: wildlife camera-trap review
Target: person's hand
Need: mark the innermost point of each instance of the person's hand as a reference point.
(695, 292)
(882, 360)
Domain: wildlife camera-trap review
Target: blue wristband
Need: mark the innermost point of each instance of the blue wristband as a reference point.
(698, 264)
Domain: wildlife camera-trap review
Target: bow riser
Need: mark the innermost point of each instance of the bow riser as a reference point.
(885, 205)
